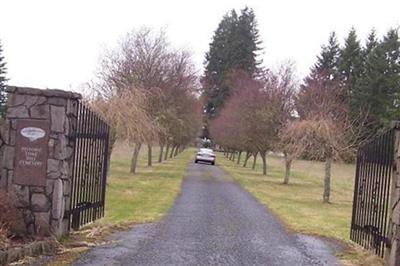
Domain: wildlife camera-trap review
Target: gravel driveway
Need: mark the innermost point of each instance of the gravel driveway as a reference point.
(213, 222)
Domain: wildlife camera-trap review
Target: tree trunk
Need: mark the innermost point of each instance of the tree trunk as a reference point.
(239, 155)
(254, 161)
(176, 151)
(172, 152)
(111, 142)
(160, 157)
(327, 179)
(231, 156)
(288, 165)
(149, 155)
(246, 158)
(264, 161)
(135, 155)
(166, 152)
(234, 155)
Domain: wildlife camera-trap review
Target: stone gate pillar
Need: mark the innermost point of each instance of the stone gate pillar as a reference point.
(392, 252)
(37, 160)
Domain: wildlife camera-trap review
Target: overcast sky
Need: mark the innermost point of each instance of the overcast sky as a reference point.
(57, 44)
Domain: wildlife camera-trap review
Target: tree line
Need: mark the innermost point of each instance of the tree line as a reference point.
(350, 95)
(146, 91)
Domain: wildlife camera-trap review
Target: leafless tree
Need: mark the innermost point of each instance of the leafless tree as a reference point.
(326, 129)
(254, 115)
(141, 86)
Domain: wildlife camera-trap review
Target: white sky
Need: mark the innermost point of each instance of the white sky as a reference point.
(57, 44)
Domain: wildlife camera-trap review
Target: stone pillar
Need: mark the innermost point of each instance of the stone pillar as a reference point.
(392, 252)
(37, 160)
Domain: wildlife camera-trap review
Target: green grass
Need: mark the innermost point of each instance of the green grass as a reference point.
(299, 205)
(147, 195)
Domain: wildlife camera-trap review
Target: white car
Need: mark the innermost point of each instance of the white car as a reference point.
(205, 155)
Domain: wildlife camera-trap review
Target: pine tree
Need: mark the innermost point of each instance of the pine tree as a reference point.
(378, 91)
(327, 61)
(371, 43)
(3, 80)
(350, 61)
(391, 87)
(324, 73)
(234, 48)
(360, 93)
(247, 37)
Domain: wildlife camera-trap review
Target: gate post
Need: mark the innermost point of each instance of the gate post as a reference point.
(36, 167)
(392, 253)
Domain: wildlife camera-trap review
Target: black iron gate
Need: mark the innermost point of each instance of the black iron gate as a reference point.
(89, 168)
(371, 193)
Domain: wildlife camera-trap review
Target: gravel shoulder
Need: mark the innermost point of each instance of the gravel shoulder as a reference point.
(212, 222)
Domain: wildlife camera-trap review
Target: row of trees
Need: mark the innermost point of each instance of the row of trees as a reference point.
(147, 92)
(367, 76)
(255, 114)
(350, 94)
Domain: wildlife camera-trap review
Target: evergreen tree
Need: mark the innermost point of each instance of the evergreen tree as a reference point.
(361, 91)
(234, 48)
(350, 62)
(247, 38)
(3, 80)
(390, 86)
(327, 61)
(324, 73)
(371, 43)
(378, 91)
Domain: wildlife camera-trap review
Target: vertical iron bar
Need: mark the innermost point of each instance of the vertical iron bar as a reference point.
(83, 194)
(388, 180)
(355, 198)
(360, 191)
(94, 167)
(105, 165)
(101, 168)
(74, 165)
(90, 167)
(78, 180)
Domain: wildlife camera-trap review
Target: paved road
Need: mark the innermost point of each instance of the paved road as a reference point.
(213, 222)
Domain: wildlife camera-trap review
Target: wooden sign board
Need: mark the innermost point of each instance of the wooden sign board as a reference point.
(31, 152)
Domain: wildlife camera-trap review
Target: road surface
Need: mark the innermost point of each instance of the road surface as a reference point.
(212, 222)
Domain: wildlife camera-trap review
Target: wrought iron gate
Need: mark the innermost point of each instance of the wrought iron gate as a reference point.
(89, 168)
(371, 193)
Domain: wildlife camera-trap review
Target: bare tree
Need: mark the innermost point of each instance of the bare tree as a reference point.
(254, 115)
(128, 118)
(326, 130)
(144, 76)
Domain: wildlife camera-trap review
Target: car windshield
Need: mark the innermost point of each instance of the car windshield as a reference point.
(204, 150)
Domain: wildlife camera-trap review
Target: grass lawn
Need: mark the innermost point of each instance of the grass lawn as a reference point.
(299, 204)
(147, 195)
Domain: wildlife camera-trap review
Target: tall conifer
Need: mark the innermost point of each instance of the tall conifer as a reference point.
(234, 47)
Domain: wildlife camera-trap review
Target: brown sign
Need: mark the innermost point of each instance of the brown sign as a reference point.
(31, 152)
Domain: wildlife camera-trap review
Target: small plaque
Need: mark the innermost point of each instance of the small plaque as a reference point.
(31, 152)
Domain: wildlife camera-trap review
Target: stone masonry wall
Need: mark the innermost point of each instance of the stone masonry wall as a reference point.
(392, 253)
(43, 207)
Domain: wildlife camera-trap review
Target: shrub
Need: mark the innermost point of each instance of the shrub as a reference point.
(10, 218)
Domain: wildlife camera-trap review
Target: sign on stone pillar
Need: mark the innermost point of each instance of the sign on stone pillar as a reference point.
(31, 153)
(37, 156)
